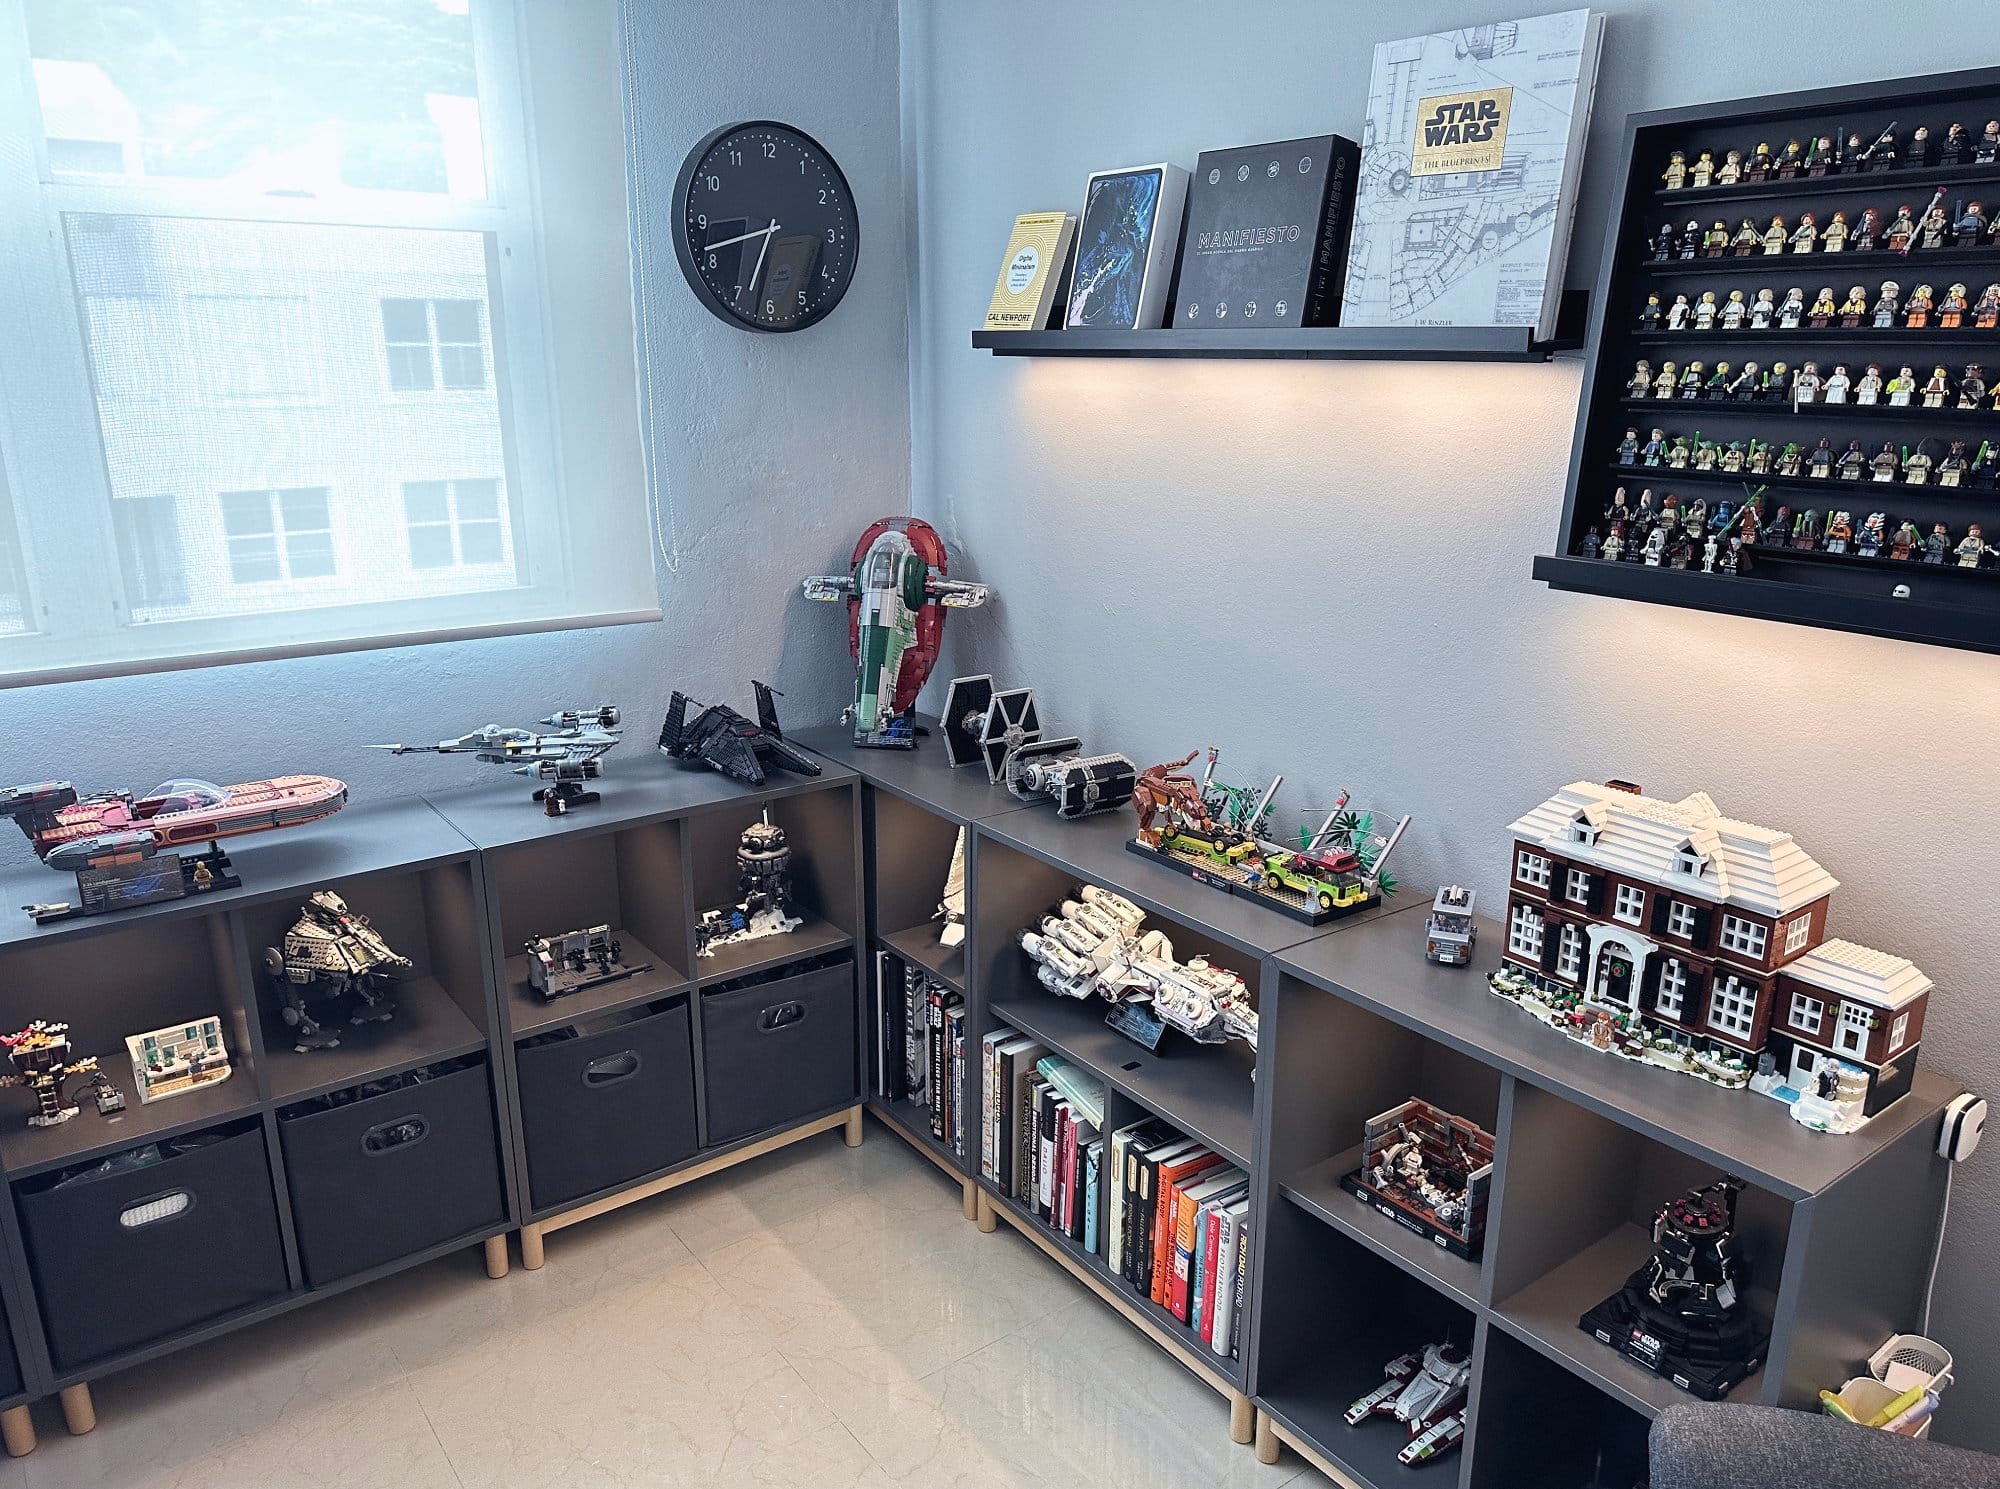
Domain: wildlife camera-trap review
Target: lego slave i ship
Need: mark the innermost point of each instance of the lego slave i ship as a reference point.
(133, 850)
(896, 594)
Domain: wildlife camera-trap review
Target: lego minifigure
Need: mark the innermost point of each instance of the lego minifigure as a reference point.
(1790, 458)
(1723, 516)
(1938, 544)
(1694, 516)
(1819, 464)
(1590, 545)
(1936, 223)
(1663, 243)
(1986, 309)
(1868, 390)
(1715, 242)
(1734, 558)
(1618, 511)
(1988, 149)
(1774, 238)
(1731, 169)
(1881, 155)
(1793, 310)
(1972, 549)
(1665, 381)
(1805, 237)
(1747, 239)
(1917, 467)
(1937, 389)
(1777, 382)
(1778, 531)
(1972, 386)
(1919, 154)
(1822, 312)
(1760, 164)
(1903, 541)
(1644, 519)
(1806, 531)
(1789, 160)
(1854, 307)
(1834, 239)
(1656, 547)
(1951, 470)
(1874, 531)
(1749, 521)
(1805, 385)
(1851, 156)
(1970, 229)
(1710, 551)
(1734, 309)
(1745, 387)
(1649, 318)
(1867, 230)
(1614, 545)
(1759, 463)
(1678, 313)
(1956, 143)
(1705, 454)
(1902, 387)
(1675, 175)
(1951, 309)
(1917, 309)
(1901, 230)
(1986, 465)
(1690, 239)
(1820, 156)
(1628, 448)
(1885, 464)
(1679, 453)
(1718, 382)
(1705, 311)
(1763, 308)
(1837, 384)
(1702, 172)
(1732, 459)
(1696, 375)
(1853, 461)
(1641, 385)
(1655, 449)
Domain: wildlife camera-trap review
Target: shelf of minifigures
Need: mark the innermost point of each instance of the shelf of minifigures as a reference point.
(1859, 295)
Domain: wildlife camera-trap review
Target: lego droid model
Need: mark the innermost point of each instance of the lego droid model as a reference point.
(1683, 1315)
(569, 754)
(331, 954)
(1095, 946)
(764, 874)
(575, 960)
(43, 1062)
(1428, 1171)
(1003, 731)
(1425, 1391)
(896, 595)
(1450, 930)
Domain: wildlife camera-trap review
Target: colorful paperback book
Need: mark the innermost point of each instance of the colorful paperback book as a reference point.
(1242, 1283)
(1034, 273)
(1167, 1186)
(1187, 1207)
(1145, 1206)
(1469, 169)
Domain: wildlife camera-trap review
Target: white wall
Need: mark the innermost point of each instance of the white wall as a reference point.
(777, 451)
(1325, 568)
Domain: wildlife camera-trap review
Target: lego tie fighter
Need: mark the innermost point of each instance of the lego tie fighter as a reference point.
(1002, 730)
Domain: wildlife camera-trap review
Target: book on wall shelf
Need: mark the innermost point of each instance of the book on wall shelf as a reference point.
(1034, 275)
(1469, 168)
(1265, 237)
(1126, 238)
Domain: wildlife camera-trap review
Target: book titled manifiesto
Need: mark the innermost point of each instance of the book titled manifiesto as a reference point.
(1266, 236)
(1033, 273)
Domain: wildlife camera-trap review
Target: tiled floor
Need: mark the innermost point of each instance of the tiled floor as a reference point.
(820, 1317)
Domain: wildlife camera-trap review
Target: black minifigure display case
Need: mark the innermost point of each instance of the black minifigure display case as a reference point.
(1660, 243)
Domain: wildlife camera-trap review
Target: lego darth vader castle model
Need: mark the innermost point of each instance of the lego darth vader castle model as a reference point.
(1665, 932)
(329, 955)
(764, 874)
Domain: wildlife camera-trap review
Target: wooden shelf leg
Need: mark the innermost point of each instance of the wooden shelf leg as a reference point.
(1267, 1439)
(969, 1199)
(78, 1414)
(17, 1430)
(1242, 1418)
(851, 1133)
(496, 1256)
(987, 1218)
(531, 1248)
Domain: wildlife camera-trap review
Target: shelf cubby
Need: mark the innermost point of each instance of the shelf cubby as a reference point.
(826, 891)
(1579, 1438)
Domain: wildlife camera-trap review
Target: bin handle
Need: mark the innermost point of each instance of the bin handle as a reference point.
(394, 1135)
(156, 1209)
(609, 1070)
(780, 1016)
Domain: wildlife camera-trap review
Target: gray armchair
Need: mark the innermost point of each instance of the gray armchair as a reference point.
(1760, 1447)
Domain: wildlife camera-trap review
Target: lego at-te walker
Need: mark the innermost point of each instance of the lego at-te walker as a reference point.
(1428, 1171)
(42, 1061)
(330, 955)
(723, 740)
(127, 850)
(570, 752)
(1426, 1391)
(764, 875)
(1003, 731)
(896, 594)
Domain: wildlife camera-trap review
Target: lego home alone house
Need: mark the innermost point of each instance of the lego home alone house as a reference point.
(1666, 932)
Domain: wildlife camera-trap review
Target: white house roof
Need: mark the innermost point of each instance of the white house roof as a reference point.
(1641, 837)
(1860, 974)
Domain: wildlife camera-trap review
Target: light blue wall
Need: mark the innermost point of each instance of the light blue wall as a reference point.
(776, 451)
(1324, 568)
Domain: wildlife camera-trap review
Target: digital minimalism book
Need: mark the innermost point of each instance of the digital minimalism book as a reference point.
(1469, 167)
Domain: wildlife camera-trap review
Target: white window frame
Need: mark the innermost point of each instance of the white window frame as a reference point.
(1732, 1007)
(282, 536)
(1899, 1032)
(1813, 1011)
(454, 523)
(1524, 933)
(1670, 1001)
(1569, 952)
(56, 445)
(1690, 860)
(1629, 895)
(1576, 888)
(1797, 932)
(1532, 869)
(1744, 937)
(1681, 920)
(1851, 1029)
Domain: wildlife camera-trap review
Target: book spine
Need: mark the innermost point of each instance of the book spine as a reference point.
(1210, 1241)
(1242, 1281)
(1141, 1274)
(989, 1063)
(916, 1038)
(1046, 1160)
(934, 1059)
(1059, 1193)
(1093, 1196)
(955, 1021)
(1024, 1136)
(1329, 266)
(1186, 1218)
(1222, 1299)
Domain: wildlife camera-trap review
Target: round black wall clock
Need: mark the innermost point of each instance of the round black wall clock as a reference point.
(766, 230)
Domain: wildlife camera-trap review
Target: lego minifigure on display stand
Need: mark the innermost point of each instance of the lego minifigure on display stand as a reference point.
(1675, 175)
(1902, 388)
(1837, 383)
(1747, 240)
(1641, 383)
(1731, 170)
(1628, 448)
(1806, 385)
(1956, 143)
(1763, 309)
(1936, 224)
(1760, 164)
(1970, 229)
(1972, 387)
(1873, 534)
(1973, 548)
(1834, 239)
(1820, 463)
(1919, 154)
(1886, 463)
(1734, 309)
(1951, 309)
(1938, 545)
(1663, 244)
(1823, 309)
(1951, 470)
(1853, 462)
(1705, 311)
(1793, 310)
(1854, 307)
(1690, 241)
(1839, 532)
(1937, 389)
(1868, 387)
(1805, 237)
(1649, 318)
(1988, 149)
(1986, 309)
(1702, 172)
(1904, 541)
(1867, 230)
(1666, 380)
(1715, 242)
(1917, 309)
(1678, 313)
(1774, 237)
(1917, 466)
(1901, 230)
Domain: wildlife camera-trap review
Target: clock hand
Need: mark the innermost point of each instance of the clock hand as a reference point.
(758, 271)
(761, 232)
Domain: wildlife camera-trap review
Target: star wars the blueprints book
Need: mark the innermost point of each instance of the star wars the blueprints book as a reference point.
(1265, 242)
(1469, 168)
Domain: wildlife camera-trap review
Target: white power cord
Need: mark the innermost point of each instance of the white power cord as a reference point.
(1937, 1254)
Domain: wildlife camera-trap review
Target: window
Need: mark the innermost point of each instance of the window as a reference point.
(1898, 1032)
(1583, 830)
(1680, 920)
(454, 523)
(1743, 936)
(1576, 888)
(1531, 868)
(1569, 953)
(286, 340)
(1524, 933)
(274, 535)
(1850, 1037)
(434, 344)
(1630, 906)
(1796, 934)
(1806, 1013)
(1690, 860)
(1672, 997)
(1732, 1008)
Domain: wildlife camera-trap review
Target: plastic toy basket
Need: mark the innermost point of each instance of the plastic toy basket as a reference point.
(1903, 1363)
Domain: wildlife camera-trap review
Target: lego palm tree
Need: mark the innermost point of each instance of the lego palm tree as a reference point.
(40, 1055)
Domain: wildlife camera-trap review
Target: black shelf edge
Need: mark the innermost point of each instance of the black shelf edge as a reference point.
(1760, 599)
(815, 938)
(1874, 262)
(26, 1151)
(1881, 185)
(1317, 1191)
(1866, 337)
(428, 1027)
(529, 1013)
(1775, 408)
(1648, 475)
(920, 945)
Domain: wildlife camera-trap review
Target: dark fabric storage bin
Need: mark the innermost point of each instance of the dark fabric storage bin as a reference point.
(778, 1050)
(607, 1107)
(389, 1175)
(107, 1286)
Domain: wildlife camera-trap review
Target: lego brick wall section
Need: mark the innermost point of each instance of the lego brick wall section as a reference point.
(778, 450)
(1324, 567)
